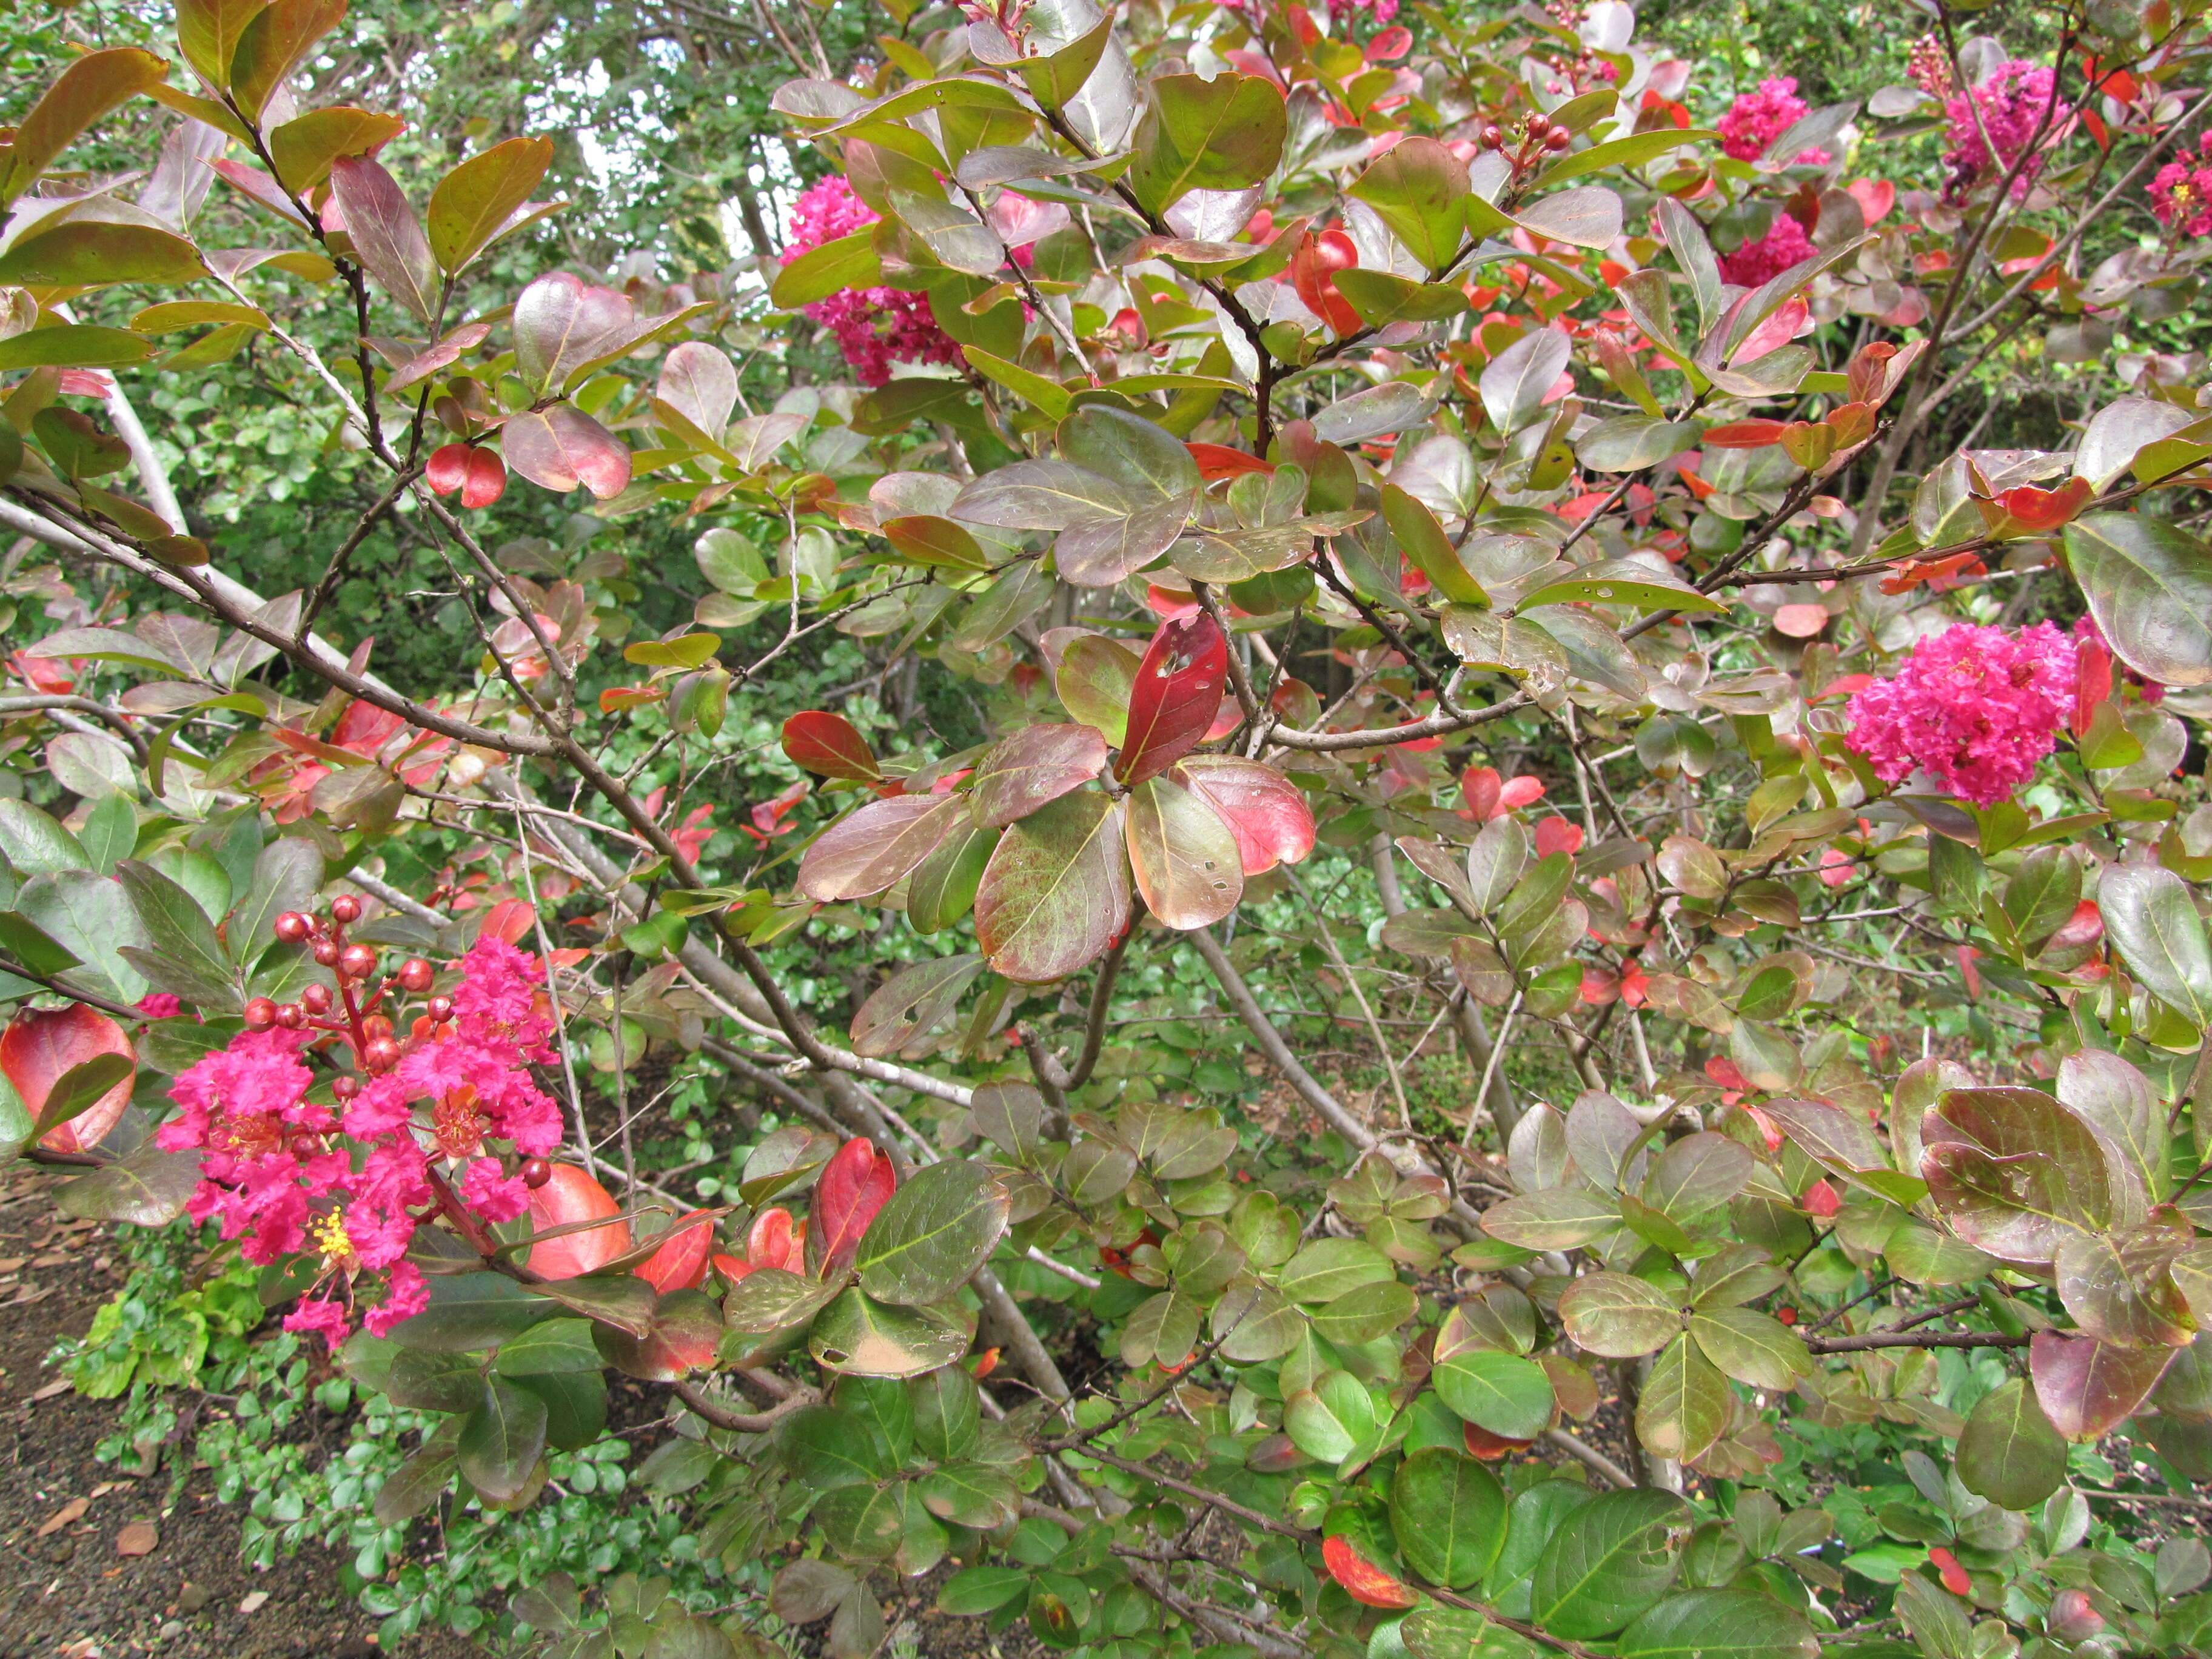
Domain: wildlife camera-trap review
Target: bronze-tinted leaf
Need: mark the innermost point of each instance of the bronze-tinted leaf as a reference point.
(1036, 765)
(860, 855)
(1265, 811)
(1178, 690)
(2086, 1388)
(2015, 1173)
(386, 236)
(1056, 893)
(1185, 856)
(562, 446)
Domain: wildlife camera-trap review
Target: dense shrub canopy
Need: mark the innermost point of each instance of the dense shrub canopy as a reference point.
(1364, 830)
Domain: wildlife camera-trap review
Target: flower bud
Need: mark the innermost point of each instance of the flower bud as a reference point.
(303, 1145)
(291, 1016)
(292, 928)
(376, 1026)
(381, 1054)
(1493, 137)
(260, 1014)
(440, 1009)
(315, 998)
(345, 1088)
(536, 1172)
(1558, 138)
(357, 961)
(345, 910)
(415, 975)
(326, 952)
(1538, 125)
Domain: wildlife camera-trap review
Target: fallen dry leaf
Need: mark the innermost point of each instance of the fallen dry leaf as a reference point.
(137, 1539)
(69, 1512)
(254, 1602)
(9, 1263)
(54, 1260)
(59, 1385)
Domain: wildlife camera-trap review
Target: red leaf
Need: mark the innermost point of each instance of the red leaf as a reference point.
(449, 468)
(1178, 693)
(830, 745)
(776, 1242)
(1746, 435)
(570, 1196)
(730, 1267)
(42, 1045)
(1313, 273)
(1217, 461)
(1820, 1200)
(1557, 835)
(2046, 509)
(1953, 1576)
(1363, 1581)
(1264, 810)
(2085, 927)
(855, 1184)
(1875, 197)
(486, 480)
(562, 446)
(510, 919)
(860, 855)
(1489, 1447)
(2086, 1388)
(681, 1263)
(387, 238)
(1389, 44)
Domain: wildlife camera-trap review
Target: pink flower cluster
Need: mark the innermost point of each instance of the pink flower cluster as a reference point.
(875, 327)
(1384, 9)
(278, 1169)
(2014, 106)
(1785, 244)
(1757, 119)
(1975, 708)
(2181, 195)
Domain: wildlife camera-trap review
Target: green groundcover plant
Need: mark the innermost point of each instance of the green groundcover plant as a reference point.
(1439, 512)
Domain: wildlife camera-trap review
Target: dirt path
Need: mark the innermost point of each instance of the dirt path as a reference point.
(65, 1591)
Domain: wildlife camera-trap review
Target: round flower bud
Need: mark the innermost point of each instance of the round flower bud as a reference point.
(305, 1144)
(1493, 137)
(292, 928)
(415, 975)
(376, 1026)
(381, 1054)
(261, 1013)
(1558, 138)
(357, 961)
(326, 952)
(536, 1172)
(345, 1088)
(440, 1009)
(291, 1016)
(1538, 125)
(345, 910)
(315, 998)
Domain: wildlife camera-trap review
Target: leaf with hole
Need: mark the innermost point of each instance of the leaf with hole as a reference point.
(932, 1233)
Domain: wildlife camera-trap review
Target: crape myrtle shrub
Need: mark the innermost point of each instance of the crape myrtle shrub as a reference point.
(1481, 523)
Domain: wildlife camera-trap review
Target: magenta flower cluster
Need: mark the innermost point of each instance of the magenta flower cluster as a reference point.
(1757, 119)
(2014, 106)
(2181, 193)
(874, 327)
(1974, 708)
(1785, 244)
(285, 1174)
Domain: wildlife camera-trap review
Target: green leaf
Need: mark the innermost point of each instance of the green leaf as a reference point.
(1622, 581)
(2008, 1451)
(971, 1495)
(1751, 1347)
(1629, 443)
(1422, 540)
(976, 1590)
(1416, 187)
(849, 262)
(502, 1439)
(2154, 921)
(1633, 151)
(1328, 1267)
(177, 931)
(74, 345)
(1685, 1405)
(1430, 1632)
(417, 1484)
(2149, 589)
(77, 1090)
(866, 1338)
(1222, 134)
(272, 45)
(1054, 399)
(31, 947)
(1448, 1515)
(1720, 1624)
(469, 1312)
(1619, 1316)
(932, 1234)
(33, 844)
(688, 651)
(91, 253)
(1329, 1420)
(557, 1346)
(827, 1448)
(947, 1415)
(479, 196)
(1608, 1562)
(1382, 297)
(1360, 1316)
(95, 84)
(148, 1187)
(1501, 1392)
(575, 1406)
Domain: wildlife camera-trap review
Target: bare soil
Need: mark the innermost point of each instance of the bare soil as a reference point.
(70, 1593)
